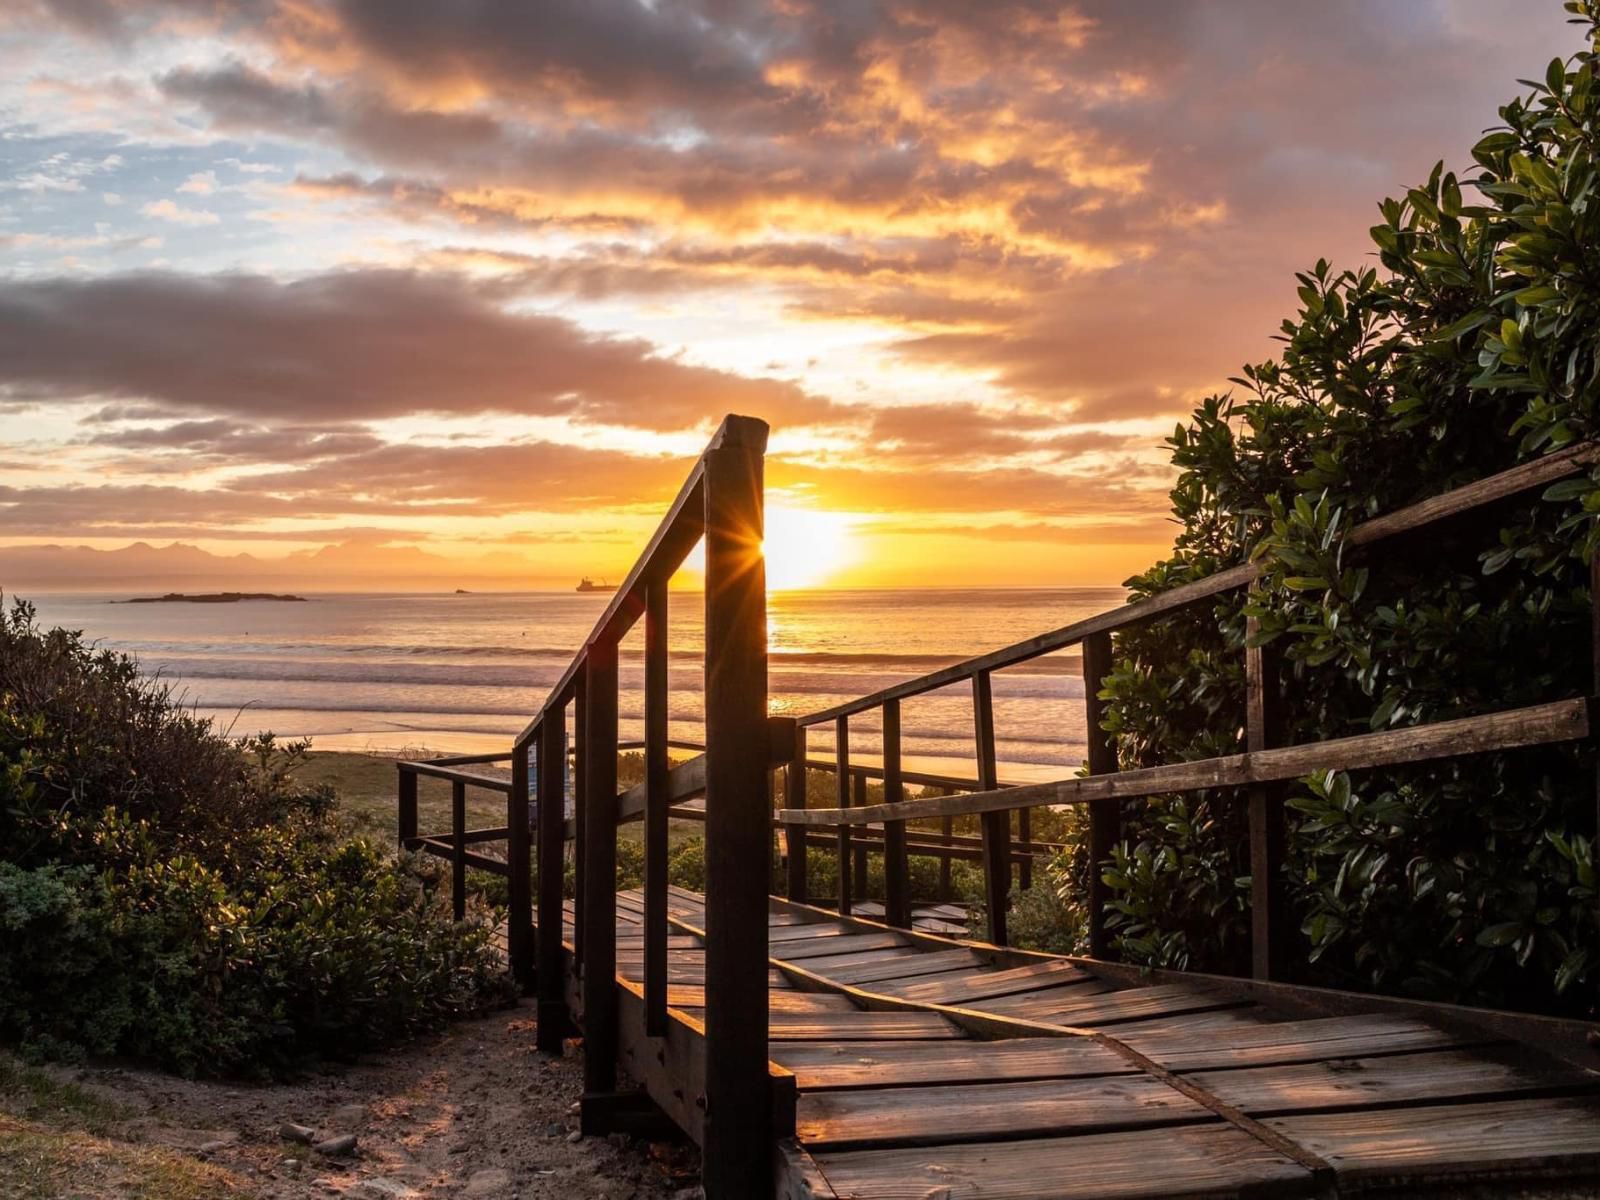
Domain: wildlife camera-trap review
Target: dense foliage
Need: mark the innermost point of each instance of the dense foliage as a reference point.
(1473, 345)
(171, 895)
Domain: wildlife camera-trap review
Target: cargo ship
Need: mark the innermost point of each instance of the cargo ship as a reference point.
(588, 585)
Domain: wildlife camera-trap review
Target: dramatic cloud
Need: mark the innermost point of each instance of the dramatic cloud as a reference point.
(314, 260)
(355, 345)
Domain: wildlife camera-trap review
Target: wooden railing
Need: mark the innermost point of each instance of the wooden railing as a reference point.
(721, 503)
(1262, 770)
(713, 1078)
(453, 846)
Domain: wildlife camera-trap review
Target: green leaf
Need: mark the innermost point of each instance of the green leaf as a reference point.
(1500, 935)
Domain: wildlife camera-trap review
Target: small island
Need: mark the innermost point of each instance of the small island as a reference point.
(210, 598)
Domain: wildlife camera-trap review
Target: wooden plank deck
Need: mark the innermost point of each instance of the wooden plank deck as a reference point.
(929, 1070)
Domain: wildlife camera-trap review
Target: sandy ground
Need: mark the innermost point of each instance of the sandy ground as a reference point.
(474, 1112)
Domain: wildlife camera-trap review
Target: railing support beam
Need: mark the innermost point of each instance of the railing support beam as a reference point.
(996, 826)
(1105, 816)
(1269, 906)
(598, 849)
(655, 808)
(407, 808)
(737, 1148)
(896, 866)
(794, 837)
(458, 849)
(554, 1020)
(841, 772)
(519, 897)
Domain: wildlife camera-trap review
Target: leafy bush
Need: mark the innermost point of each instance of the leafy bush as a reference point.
(172, 896)
(1475, 346)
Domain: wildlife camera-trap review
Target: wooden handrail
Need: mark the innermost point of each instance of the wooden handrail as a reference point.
(434, 770)
(1536, 725)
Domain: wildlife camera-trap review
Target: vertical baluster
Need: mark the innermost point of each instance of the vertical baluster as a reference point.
(407, 806)
(947, 828)
(896, 868)
(1105, 816)
(1025, 859)
(519, 906)
(655, 809)
(1269, 910)
(996, 826)
(458, 848)
(794, 796)
(737, 1141)
(599, 884)
(841, 771)
(858, 797)
(1594, 642)
(580, 792)
(554, 1020)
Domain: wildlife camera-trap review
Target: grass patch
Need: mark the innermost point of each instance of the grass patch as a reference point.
(40, 1163)
(38, 1094)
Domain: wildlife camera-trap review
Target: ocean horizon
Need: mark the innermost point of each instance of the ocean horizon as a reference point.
(392, 672)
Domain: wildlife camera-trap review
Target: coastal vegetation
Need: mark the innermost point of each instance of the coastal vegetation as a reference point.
(1472, 345)
(172, 896)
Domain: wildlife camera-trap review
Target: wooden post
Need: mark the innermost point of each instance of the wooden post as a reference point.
(599, 885)
(1594, 642)
(1105, 816)
(655, 808)
(737, 1140)
(580, 803)
(841, 771)
(996, 826)
(896, 868)
(794, 796)
(947, 828)
(1269, 909)
(1025, 861)
(407, 808)
(554, 1020)
(519, 897)
(458, 848)
(858, 797)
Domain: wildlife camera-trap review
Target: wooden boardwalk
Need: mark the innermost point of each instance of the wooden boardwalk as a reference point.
(930, 1069)
(815, 1054)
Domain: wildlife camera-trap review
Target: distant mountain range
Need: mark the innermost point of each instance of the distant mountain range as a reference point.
(350, 566)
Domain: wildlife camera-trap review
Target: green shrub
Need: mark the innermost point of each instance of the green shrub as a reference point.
(139, 919)
(1476, 345)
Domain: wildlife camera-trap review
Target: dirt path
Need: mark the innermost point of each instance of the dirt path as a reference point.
(474, 1112)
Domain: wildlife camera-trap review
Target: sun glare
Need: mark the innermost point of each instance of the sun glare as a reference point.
(805, 547)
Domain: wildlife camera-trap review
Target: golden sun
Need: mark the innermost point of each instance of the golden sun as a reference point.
(806, 547)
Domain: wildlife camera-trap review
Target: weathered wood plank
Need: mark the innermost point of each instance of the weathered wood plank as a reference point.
(1182, 1161)
(966, 1112)
(1396, 1079)
(968, 987)
(1266, 1044)
(885, 1064)
(901, 963)
(779, 1000)
(828, 947)
(1069, 1006)
(860, 1026)
(1505, 1139)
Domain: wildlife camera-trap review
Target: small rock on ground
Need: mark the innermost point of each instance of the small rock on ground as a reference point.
(491, 1183)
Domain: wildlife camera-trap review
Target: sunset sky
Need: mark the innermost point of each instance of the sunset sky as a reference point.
(474, 278)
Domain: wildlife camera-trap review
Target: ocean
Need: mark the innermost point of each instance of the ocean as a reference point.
(462, 673)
